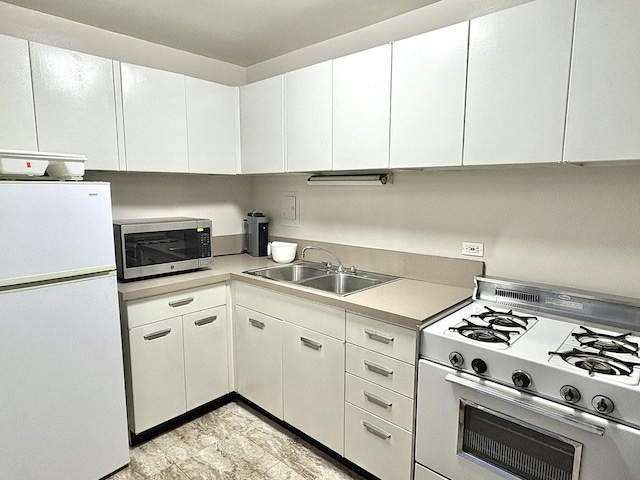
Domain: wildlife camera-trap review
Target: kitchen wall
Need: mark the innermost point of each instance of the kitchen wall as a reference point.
(560, 224)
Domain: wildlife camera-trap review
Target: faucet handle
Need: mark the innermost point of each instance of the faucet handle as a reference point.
(353, 269)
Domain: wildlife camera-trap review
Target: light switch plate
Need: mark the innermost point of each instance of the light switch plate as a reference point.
(290, 209)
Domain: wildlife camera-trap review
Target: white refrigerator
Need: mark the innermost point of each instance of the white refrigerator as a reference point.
(62, 400)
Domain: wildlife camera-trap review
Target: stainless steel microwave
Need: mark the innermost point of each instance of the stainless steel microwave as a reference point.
(160, 246)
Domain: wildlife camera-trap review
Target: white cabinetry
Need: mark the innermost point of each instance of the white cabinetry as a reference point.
(603, 118)
(427, 98)
(262, 126)
(75, 105)
(155, 120)
(379, 401)
(517, 84)
(175, 349)
(17, 118)
(309, 94)
(212, 117)
(361, 109)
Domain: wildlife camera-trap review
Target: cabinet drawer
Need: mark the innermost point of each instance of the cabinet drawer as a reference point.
(147, 310)
(386, 404)
(426, 474)
(156, 384)
(381, 337)
(314, 316)
(377, 446)
(382, 370)
(205, 355)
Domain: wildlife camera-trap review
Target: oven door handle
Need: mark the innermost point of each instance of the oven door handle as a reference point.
(547, 412)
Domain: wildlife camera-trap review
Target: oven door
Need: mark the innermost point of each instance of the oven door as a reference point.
(469, 428)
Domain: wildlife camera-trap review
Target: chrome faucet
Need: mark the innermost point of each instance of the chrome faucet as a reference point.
(340, 266)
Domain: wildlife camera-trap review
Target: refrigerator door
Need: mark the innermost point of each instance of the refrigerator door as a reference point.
(54, 230)
(62, 408)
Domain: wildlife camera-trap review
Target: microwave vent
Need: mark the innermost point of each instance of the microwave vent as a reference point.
(502, 294)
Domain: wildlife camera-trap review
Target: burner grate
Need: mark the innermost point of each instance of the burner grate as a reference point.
(597, 362)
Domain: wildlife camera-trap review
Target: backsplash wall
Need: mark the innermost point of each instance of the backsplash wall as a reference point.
(567, 225)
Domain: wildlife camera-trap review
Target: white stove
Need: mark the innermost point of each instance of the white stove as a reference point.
(513, 345)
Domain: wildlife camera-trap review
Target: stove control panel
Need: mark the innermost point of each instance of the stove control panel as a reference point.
(602, 404)
(570, 394)
(521, 379)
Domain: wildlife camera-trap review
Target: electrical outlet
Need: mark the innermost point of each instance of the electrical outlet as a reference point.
(473, 249)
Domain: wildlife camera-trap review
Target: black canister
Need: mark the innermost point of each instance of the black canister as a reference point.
(257, 234)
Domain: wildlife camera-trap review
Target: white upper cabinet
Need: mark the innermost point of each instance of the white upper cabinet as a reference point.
(75, 105)
(309, 94)
(361, 109)
(262, 126)
(603, 117)
(427, 98)
(212, 114)
(517, 84)
(155, 120)
(17, 119)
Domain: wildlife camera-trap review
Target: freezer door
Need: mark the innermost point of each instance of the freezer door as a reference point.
(54, 229)
(62, 407)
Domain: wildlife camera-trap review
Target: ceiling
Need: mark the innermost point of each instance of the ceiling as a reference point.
(241, 32)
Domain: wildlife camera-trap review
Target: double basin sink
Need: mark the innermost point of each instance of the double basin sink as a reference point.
(317, 276)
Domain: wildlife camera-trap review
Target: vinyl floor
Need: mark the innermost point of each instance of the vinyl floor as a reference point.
(233, 442)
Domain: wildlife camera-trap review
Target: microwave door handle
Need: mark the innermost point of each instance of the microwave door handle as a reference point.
(487, 390)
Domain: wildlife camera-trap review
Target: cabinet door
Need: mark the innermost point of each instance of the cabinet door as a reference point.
(156, 384)
(75, 105)
(517, 84)
(212, 112)
(313, 379)
(361, 109)
(603, 117)
(427, 98)
(155, 120)
(259, 359)
(206, 365)
(17, 118)
(262, 126)
(309, 94)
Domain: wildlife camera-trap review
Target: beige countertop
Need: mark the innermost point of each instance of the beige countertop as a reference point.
(404, 302)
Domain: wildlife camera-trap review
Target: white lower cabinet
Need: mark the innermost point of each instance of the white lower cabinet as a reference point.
(258, 341)
(313, 385)
(174, 363)
(376, 445)
(426, 474)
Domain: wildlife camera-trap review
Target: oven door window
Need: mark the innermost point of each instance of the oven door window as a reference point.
(154, 248)
(515, 449)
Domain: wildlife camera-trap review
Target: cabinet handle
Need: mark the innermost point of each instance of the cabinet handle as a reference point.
(205, 321)
(181, 303)
(158, 334)
(378, 432)
(256, 323)
(378, 337)
(377, 400)
(379, 369)
(311, 343)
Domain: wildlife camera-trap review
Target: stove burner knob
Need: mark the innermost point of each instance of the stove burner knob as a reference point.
(521, 379)
(570, 394)
(602, 404)
(478, 365)
(456, 359)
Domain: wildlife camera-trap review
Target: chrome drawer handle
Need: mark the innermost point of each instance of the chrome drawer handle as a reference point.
(378, 432)
(311, 343)
(256, 323)
(205, 321)
(181, 303)
(378, 337)
(379, 369)
(377, 400)
(158, 334)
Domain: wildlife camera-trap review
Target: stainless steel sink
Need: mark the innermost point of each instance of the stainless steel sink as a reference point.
(316, 276)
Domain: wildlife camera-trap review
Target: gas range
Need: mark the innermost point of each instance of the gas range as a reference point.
(571, 347)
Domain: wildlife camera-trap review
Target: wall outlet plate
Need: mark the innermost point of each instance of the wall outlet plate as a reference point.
(290, 209)
(473, 249)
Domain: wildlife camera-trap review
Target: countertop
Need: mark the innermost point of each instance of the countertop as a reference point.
(405, 302)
